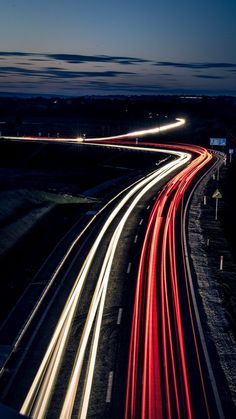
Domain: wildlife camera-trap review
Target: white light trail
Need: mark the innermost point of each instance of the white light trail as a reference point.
(179, 122)
(98, 301)
(141, 133)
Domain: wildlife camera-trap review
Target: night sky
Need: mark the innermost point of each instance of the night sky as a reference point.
(103, 47)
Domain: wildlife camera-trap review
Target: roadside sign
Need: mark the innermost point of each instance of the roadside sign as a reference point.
(218, 141)
(217, 194)
(231, 151)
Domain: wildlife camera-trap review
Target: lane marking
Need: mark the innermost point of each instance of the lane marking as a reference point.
(141, 222)
(148, 207)
(119, 315)
(129, 268)
(109, 387)
(136, 239)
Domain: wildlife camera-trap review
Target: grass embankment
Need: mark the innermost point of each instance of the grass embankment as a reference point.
(228, 221)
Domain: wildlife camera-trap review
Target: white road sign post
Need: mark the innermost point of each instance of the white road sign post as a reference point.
(231, 152)
(216, 195)
(221, 263)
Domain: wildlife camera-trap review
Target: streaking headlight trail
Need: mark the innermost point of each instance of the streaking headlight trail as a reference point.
(179, 122)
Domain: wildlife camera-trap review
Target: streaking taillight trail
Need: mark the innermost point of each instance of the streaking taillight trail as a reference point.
(159, 376)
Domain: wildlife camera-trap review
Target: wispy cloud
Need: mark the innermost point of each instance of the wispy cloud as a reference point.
(7, 70)
(107, 73)
(59, 73)
(194, 66)
(208, 76)
(65, 74)
(15, 54)
(124, 87)
(76, 58)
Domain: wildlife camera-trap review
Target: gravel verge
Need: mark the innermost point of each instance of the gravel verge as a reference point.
(216, 287)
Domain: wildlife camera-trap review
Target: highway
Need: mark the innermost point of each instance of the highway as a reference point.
(169, 373)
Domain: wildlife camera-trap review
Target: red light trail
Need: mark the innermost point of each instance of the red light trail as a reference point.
(159, 383)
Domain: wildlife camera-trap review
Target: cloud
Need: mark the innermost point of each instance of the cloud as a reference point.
(76, 58)
(15, 54)
(194, 66)
(65, 74)
(208, 76)
(50, 72)
(18, 70)
(121, 87)
(104, 73)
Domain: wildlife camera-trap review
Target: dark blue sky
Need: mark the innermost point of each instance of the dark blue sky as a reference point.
(78, 47)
